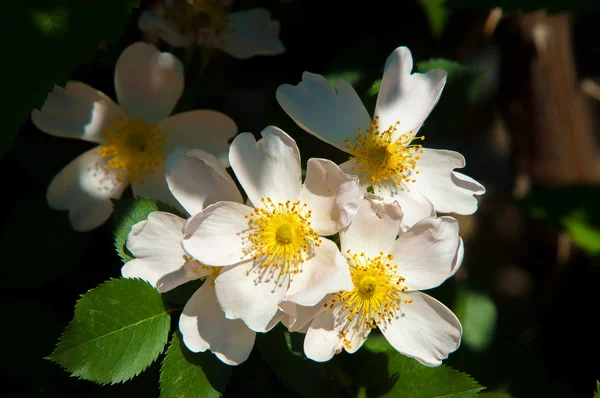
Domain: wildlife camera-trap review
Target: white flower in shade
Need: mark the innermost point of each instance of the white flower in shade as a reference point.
(134, 137)
(386, 152)
(207, 23)
(387, 274)
(197, 179)
(275, 249)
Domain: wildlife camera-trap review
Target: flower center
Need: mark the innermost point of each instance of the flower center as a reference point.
(375, 297)
(192, 15)
(135, 148)
(281, 235)
(382, 155)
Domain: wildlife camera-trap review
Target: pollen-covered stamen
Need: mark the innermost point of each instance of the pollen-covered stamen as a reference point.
(280, 235)
(376, 296)
(385, 155)
(196, 270)
(191, 16)
(134, 148)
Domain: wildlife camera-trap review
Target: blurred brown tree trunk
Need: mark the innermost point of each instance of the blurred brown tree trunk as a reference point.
(547, 113)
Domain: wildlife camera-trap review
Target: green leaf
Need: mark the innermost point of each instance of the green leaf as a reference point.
(477, 313)
(410, 379)
(571, 208)
(437, 14)
(462, 89)
(127, 213)
(597, 394)
(118, 330)
(278, 349)
(50, 39)
(528, 5)
(185, 374)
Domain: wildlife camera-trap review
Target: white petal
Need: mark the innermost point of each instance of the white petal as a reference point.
(251, 293)
(298, 317)
(84, 188)
(423, 329)
(200, 129)
(414, 205)
(426, 254)
(77, 111)
(203, 326)
(148, 82)
(216, 235)
(326, 272)
(154, 185)
(404, 97)
(331, 195)
(156, 245)
(164, 28)
(324, 336)
(197, 179)
(331, 115)
(251, 32)
(267, 168)
(449, 191)
(373, 230)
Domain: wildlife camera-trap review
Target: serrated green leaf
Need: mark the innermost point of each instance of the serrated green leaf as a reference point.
(127, 213)
(413, 380)
(477, 313)
(118, 330)
(437, 14)
(462, 89)
(293, 370)
(48, 39)
(528, 5)
(185, 374)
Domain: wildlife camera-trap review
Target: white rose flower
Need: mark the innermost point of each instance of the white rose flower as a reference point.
(387, 274)
(274, 249)
(134, 137)
(383, 150)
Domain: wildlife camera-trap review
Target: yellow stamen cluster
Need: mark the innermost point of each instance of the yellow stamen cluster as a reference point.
(281, 235)
(190, 16)
(385, 155)
(134, 148)
(376, 296)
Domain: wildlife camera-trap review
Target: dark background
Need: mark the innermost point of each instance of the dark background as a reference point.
(544, 342)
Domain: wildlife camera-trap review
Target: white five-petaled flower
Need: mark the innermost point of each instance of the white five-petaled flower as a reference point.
(386, 152)
(207, 23)
(275, 249)
(387, 274)
(196, 179)
(134, 137)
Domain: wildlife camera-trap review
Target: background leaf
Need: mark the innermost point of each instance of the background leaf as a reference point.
(118, 330)
(571, 208)
(409, 379)
(477, 313)
(437, 14)
(128, 212)
(186, 374)
(47, 41)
